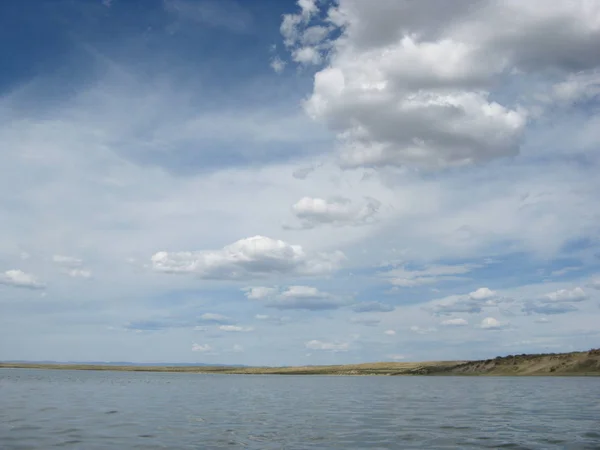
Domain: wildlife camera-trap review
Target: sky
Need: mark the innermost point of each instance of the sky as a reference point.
(278, 182)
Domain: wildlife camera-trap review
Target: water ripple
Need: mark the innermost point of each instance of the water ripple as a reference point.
(106, 410)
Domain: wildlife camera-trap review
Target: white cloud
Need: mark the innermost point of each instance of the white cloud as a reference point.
(235, 328)
(390, 332)
(482, 294)
(78, 273)
(202, 348)
(576, 294)
(490, 323)
(542, 320)
(413, 82)
(422, 330)
(557, 302)
(293, 25)
(251, 257)
(582, 86)
(260, 292)
(472, 303)
(200, 328)
(20, 279)
(262, 316)
(277, 64)
(331, 346)
(306, 55)
(308, 7)
(458, 322)
(237, 348)
(338, 211)
(294, 297)
(396, 357)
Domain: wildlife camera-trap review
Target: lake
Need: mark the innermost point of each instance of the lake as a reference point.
(42, 409)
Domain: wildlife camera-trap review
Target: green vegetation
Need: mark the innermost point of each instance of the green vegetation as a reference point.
(574, 363)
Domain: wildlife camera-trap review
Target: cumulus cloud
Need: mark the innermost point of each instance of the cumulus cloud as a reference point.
(471, 303)
(482, 294)
(330, 346)
(490, 323)
(576, 294)
(557, 302)
(201, 348)
(390, 332)
(256, 256)
(372, 307)
(458, 322)
(414, 83)
(294, 297)
(339, 211)
(20, 279)
(235, 328)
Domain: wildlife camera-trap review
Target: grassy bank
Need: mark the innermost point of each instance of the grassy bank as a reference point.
(574, 363)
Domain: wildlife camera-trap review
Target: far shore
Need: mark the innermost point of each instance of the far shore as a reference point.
(586, 363)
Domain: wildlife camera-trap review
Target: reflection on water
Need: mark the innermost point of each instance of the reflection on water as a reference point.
(99, 410)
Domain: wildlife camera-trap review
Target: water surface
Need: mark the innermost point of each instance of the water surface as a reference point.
(43, 409)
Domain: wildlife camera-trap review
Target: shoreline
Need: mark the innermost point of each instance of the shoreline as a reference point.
(586, 363)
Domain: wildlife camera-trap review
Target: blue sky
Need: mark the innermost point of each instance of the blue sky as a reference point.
(310, 182)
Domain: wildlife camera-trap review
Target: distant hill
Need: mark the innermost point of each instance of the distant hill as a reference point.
(574, 363)
(547, 364)
(116, 363)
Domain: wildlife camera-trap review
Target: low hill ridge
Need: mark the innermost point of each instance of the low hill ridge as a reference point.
(573, 363)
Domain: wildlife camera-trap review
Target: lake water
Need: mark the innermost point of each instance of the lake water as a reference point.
(43, 409)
